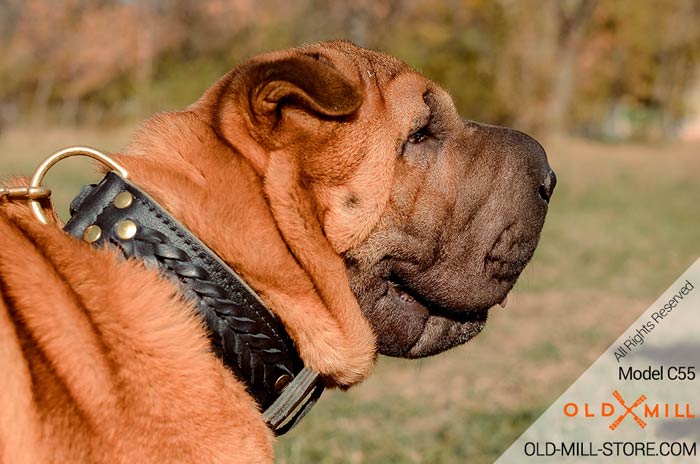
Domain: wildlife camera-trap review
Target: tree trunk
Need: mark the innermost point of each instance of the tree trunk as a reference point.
(41, 98)
(572, 29)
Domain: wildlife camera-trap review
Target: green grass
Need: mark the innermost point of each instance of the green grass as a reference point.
(379, 431)
(623, 224)
(624, 220)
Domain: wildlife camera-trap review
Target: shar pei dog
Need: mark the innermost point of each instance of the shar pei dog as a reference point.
(338, 183)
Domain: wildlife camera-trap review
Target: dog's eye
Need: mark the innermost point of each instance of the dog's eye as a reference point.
(419, 135)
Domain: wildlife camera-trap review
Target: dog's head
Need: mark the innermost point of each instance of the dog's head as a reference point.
(436, 216)
(379, 188)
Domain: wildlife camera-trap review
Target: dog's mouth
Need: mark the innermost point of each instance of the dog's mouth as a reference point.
(432, 311)
(412, 301)
(441, 327)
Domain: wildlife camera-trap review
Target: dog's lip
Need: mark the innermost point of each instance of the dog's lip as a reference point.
(412, 300)
(439, 324)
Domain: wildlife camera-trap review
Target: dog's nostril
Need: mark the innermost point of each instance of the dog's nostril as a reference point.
(547, 187)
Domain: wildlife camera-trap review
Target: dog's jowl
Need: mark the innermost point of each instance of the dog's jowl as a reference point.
(341, 186)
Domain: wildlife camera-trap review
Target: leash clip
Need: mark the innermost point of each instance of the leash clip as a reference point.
(36, 192)
(24, 193)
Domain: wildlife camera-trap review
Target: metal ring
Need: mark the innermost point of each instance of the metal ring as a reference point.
(49, 162)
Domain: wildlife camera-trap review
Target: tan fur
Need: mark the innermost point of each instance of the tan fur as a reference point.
(289, 192)
(105, 362)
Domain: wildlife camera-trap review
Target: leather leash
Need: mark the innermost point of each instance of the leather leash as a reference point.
(244, 333)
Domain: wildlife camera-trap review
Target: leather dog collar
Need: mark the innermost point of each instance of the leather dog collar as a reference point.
(247, 337)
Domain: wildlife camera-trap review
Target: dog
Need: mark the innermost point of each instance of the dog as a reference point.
(339, 183)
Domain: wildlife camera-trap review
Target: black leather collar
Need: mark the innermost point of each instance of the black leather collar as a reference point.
(248, 338)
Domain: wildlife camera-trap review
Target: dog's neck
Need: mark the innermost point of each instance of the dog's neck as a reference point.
(215, 188)
(243, 332)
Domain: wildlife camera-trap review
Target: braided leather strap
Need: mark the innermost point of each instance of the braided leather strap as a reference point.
(249, 339)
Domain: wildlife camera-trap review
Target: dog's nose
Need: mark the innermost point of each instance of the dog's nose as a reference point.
(547, 187)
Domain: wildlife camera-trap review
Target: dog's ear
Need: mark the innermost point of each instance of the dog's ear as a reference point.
(303, 82)
(271, 91)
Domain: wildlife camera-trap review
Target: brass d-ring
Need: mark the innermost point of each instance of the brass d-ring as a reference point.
(49, 162)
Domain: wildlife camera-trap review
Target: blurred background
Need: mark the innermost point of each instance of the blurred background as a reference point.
(611, 88)
(599, 68)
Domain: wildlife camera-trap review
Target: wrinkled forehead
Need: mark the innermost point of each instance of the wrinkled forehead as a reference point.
(403, 89)
(383, 68)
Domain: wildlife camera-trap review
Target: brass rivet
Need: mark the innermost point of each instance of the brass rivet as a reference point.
(92, 233)
(123, 200)
(282, 381)
(126, 229)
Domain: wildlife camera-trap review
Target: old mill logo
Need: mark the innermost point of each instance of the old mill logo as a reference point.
(640, 410)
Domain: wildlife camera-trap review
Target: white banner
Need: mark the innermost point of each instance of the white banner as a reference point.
(639, 402)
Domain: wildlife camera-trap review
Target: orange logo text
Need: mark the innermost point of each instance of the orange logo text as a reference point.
(640, 410)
